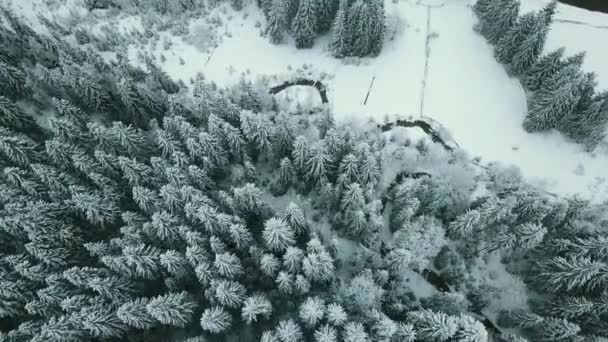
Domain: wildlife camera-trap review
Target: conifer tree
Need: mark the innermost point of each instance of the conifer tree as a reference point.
(530, 48)
(256, 307)
(288, 331)
(354, 332)
(326, 11)
(326, 333)
(312, 311)
(317, 166)
(172, 309)
(285, 282)
(135, 314)
(230, 294)
(216, 320)
(499, 20)
(432, 326)
(544, 68)
(277, 20)
(557, 99)
(511, 43)
(278, 235)
(304, 24)
(340, 34)
(481, 7)
(295, 218)
(571, 274)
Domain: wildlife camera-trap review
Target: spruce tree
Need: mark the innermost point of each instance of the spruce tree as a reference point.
(556, 100)
(326, 11)
(304, 24)
(531, 48)
(340, 34)
(277, 20)
(216, 320)
(542, 70)
(499, 20)
(511, 43)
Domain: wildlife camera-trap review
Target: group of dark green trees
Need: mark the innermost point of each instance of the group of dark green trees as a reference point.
(356, 26)
(560, 95)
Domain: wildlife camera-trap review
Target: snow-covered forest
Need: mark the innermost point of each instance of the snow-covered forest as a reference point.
(136, 206)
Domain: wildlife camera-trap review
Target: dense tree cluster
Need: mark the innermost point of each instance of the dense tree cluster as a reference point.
(133, 209)
(356, 26)
(560, 95)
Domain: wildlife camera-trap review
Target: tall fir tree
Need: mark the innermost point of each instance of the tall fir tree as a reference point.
(340, 33)
(304, 24)
(542, 69)
(277, 20)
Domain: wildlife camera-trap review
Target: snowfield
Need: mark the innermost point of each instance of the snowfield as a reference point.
(433, 64)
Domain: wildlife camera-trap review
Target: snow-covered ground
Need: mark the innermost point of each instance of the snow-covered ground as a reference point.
(466, 90)
(433, 64)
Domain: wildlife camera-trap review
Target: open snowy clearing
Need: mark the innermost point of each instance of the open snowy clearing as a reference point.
(432, 64)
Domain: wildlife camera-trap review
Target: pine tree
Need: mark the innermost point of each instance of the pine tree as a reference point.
(13, 81)
(295, 218)
(288, 331)
(326, 333)
(349, 166)
(355, 332)
(285, 282)
(531, 47)
(300, 153)
(317, 166)
(229, 293)
(470, 330)
(256, 307)
(18, 148)
(511, 43)
(13, 117)
(482, 7)
(464, 224)
(134, 314)
(544, 68)
(286, 173)
(326, 11)
(277, 20)
(312, 311)
(433, 326)
(557, 99)
(352, 199)
(561, 274)
(269, 264)
(340, 34)
(499, 20)
(301, 285)
(172, 309)
(216, 320)
(318, 266)
(304, 24)
(228, 265)
(278, 235)
(586, 89)
(292, 259)
(336, 314)
(360, 16)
